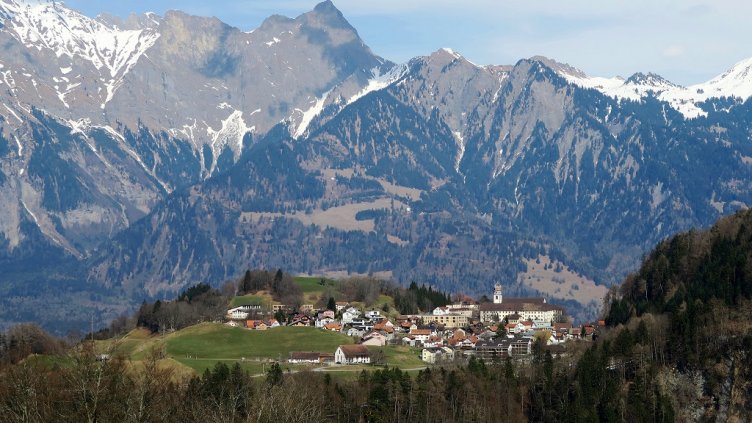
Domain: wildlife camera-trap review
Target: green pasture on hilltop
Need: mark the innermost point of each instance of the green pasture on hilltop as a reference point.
(216, 341)
(250, 299)
(312, 284)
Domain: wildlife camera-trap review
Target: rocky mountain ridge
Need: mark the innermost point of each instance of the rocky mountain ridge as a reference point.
(158, 93)
(295, 146)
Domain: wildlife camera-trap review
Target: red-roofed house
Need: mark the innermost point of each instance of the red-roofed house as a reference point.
(334, 327)
(256, 325)
(421, 335)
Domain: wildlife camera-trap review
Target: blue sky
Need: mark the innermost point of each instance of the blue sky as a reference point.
(687, 41)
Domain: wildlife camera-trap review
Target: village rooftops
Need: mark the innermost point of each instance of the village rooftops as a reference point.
(567, 326)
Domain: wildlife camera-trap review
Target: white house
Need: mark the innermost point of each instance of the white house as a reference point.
(441, 311)
(349, 315)
(433, 342)
(433, 355)
(352, 354)
(320, 323)
(373, 314)
(242, 312)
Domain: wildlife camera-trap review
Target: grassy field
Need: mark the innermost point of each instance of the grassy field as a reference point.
(134, 345)
(402, 356)
(313, 284)
(193, 350)
(211, 340)
(312, 287)
(251, 299)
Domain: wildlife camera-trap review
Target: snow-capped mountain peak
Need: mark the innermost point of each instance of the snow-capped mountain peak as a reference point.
(649, 80)
(736, 82)
(448, 55)
(47, 25)
(44, 24)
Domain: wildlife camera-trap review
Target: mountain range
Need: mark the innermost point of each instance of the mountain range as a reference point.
(139, 156)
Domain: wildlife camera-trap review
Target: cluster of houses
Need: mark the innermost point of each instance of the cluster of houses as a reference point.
(502, 328)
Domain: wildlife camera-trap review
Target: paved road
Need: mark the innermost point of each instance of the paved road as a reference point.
(339, 369)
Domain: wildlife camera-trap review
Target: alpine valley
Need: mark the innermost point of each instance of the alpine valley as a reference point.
(141, 156)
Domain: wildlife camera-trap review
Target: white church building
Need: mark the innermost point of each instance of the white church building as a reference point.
(535, 308)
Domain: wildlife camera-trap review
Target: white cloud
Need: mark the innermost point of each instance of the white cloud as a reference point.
(673, 51)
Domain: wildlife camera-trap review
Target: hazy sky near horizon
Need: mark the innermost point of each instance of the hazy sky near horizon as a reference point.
(686, 41)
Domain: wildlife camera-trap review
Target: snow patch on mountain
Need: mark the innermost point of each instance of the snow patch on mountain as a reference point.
(80, 126)
(67, 33)
(232, 132)
(13, 113)
(18, 145)
(379, 81)
(457, 56)
(460, 150)
(33, 216)
(736, 82)
(309, 114)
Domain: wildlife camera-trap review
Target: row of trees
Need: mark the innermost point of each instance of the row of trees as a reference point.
(199, 303)
(87, 389)
(280, 285)
(23, 340)
(368, 290)
(415, 298)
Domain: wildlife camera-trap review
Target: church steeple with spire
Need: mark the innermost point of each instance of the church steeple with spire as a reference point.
(497, 298)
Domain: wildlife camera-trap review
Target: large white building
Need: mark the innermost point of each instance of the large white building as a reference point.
(536, 308)
(352, 354)
(242, 312)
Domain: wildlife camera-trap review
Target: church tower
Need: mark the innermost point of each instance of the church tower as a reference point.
(497, 294)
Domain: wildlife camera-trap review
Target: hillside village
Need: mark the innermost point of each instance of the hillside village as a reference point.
(503, 327)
